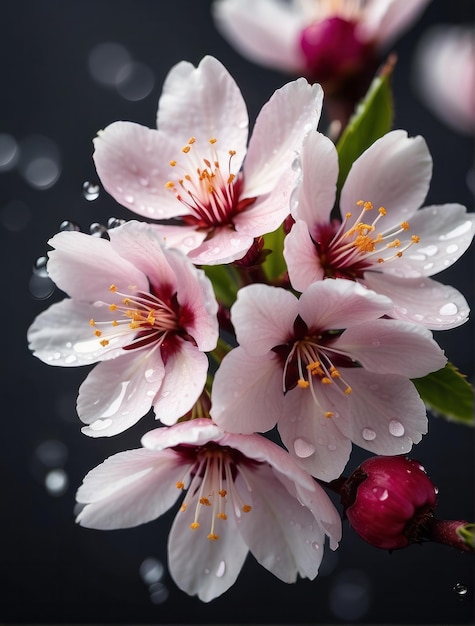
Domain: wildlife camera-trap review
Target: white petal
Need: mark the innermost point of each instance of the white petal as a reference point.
(281, 127)
(130, 488)
(421, 300)
(303, 262)
(387, 415)
(384, 20)
(181, 237)
(264, 31)
(263, 317)
(116, 394)
(205, 103)
(395, 173)
(283, 535)
(392, 347)
(197, 432)
(223, 246)
(198, 565)
(247, 393)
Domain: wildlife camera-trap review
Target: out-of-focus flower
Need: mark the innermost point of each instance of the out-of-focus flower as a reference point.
(244, 493)
(147, 313)
(335, 42)
(327, 370)
(384, 240)
(389, 501)
(444, 75)
(192, 168)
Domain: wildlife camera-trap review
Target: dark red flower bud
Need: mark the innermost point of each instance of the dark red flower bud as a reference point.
(390, 501)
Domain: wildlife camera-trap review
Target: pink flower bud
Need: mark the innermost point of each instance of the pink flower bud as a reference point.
(390, 501)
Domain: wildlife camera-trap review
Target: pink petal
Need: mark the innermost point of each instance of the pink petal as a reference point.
(281, 127)
(421, 300)
(446, 231)
(303, 262)
(205, 103)
(283, 535)
(312, 439)
(223, 246)
(182, 237)
(395, 173)
(117, 393)
(199, 566)
(247, 393)
(340, 303)
(317, 191)
(385, 20)
(265, 32)
(130, 488)
(392, 347)
(184, 380)
(85, 267)
(263, 317)
(62, 335)
(197, 432)
(132, 162)
(387, 415)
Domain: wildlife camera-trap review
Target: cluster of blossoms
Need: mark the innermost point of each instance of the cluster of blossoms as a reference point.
(327, 351)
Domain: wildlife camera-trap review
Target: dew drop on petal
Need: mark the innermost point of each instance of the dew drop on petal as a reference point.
(460, 589)
(39, 266)
(100, 424)
(221, 569)
(315, 545)
(41, 287)
(90, 191)
(303, 448)
(129, 198)
(449, 309)
(368, 434)
(381, 493)
(452, 249)
(396, 428)
(331, 447)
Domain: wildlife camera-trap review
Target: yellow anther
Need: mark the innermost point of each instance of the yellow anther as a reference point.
(170, 184)
(126, 301)
(112, 307)
(232, 152)
(180, 484)
(213, 537)
(186, 149)
(326, 381)
(246, 508)
(399, 254)
(151, 318)
(213, 140)
(360, 203)
(92, 322)
(222, 492)
(113, 288)
(211, 189)
(183, 507)
(172, 163)
(303, 384)
(115, 323)
(415, 238)
(187, 177)
(97, 333)
(334, 373)
(348, 390)
(104, 343)
(380, 260)
(328, 414)
(231, 177)
(194, 525)
(222, 516)
(205, 501)
(394, 244)
(382, 210)
(191, 140)
(347, 215)
(405, 225)
(315, 368)
(368, 206)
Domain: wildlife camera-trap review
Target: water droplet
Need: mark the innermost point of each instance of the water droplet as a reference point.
(315, 545)
(303, 448)
(429, 250)
(396, 428)
(381, 493)
(56, 482)
(41, 287)
(368, 434)
(151, 570)
(98, 230)
(143, 180)
(294, 199)
(331, 447)
(452, 249)
(100, 424)
(114, 222)
(149, 374)
(448, 309)
(39, 266)
(189, 242)
(428, 266)
(135, 81)
(296, 164)
(243, 124)
(459, 230)
(129, 198)
(8, 152)
(90, 191)
(71, 358)
(221, 569)
(460, 589)
(67, 225)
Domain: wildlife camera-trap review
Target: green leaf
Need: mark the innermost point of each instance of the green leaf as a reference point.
(447, 393)
(274, 264)
(372, 119)
(225, 282)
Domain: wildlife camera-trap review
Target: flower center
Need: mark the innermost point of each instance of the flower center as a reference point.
(145, 317)
(209, 189)
(347, 251)
(212, 487)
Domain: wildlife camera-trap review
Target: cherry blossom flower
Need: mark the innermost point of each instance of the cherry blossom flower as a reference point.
(146, 313)
(327, 370)
(444, 74)
(334, 42)
(384, 240)
(244, 493)
(192, 168)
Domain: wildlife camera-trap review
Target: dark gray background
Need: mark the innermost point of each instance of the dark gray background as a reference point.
(52, 571)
